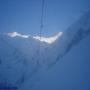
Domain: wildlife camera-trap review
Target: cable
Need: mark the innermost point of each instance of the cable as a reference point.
(41, 29)
(42, 15)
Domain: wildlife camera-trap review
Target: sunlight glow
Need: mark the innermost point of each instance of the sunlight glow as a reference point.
(48, 40)
(15, 34)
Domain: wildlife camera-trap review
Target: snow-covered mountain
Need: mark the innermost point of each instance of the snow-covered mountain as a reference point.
(50, 63)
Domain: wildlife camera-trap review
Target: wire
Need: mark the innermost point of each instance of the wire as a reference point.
(42, 15)
(41, 29)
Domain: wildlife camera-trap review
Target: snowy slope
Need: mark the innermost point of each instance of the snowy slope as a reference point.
(25, 60)
(71, 37)
(12, 62)
(19, 58)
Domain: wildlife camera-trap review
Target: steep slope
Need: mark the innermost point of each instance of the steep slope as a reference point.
(71, 37)
(72, 72)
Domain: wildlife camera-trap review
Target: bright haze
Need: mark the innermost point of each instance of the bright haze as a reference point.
(24, 16)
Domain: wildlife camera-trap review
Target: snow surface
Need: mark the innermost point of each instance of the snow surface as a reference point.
(48, 40)
(34, 64)
(15, 34)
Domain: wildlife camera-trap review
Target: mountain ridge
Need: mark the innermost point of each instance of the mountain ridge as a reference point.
(29, 58)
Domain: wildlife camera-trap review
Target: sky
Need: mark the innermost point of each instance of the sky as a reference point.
(24, 16)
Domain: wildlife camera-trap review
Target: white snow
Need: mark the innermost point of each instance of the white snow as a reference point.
(48, 40)
(16, 34)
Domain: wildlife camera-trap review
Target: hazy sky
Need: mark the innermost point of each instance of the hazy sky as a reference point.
(24, 15)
